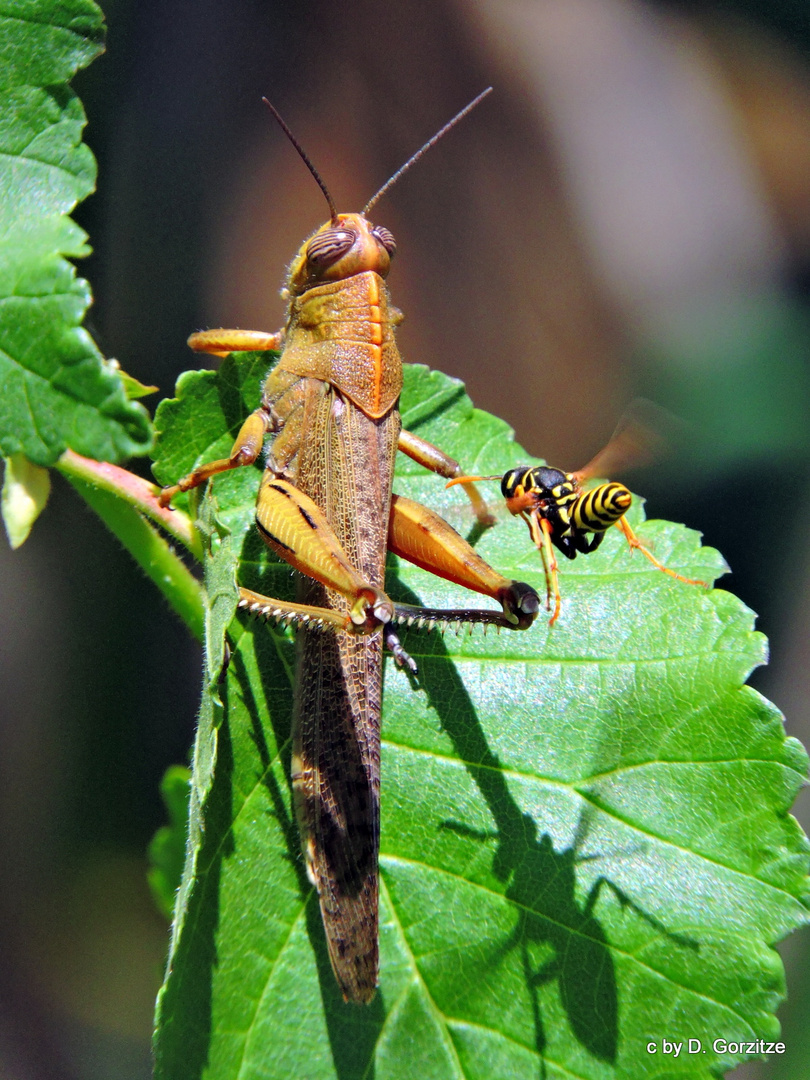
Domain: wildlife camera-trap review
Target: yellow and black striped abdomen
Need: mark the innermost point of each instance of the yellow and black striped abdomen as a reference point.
(598, 509)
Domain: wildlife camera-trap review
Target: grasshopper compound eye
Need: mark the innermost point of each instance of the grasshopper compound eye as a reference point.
(329, 246)
(386, 239)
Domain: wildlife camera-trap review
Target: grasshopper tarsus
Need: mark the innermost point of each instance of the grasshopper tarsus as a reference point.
(402, 658)
(513, 617)
(165, 496)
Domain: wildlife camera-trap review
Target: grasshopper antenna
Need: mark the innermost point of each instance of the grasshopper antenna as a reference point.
(308, 163)
(431, 142)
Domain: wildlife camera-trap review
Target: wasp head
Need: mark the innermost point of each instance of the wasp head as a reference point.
(539, 487)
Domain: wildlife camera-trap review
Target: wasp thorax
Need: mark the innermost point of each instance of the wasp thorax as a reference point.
(550, 479)
(343, 247)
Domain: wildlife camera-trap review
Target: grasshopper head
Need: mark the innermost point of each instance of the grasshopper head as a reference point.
(345, 246)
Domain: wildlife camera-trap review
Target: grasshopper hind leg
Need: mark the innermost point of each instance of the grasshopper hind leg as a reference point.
(421, 536)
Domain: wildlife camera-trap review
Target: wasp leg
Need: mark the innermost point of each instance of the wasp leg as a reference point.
(634, 542)
(223, 342)
(586, 546)
(419, 535)
(540, 530)
(425, 453)
(245, 450)
(296, 529)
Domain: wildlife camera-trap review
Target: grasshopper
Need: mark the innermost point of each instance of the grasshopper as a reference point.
(326, 506)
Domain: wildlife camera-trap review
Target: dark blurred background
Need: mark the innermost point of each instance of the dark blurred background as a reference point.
(628, 214)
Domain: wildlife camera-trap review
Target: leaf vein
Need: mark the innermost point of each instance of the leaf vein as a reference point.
(456, 1023)
(784, 893)
(293, 926)
(631, 957)
(440, 1018)
(23, 157)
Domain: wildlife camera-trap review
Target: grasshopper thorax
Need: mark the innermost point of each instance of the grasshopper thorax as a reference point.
(345, 246)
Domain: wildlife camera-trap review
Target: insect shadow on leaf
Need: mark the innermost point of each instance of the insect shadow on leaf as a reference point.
(542, 885)
(540, 881)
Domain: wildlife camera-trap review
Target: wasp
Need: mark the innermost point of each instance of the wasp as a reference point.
(561, 513)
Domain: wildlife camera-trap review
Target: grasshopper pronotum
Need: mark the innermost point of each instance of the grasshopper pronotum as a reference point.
(325, 505)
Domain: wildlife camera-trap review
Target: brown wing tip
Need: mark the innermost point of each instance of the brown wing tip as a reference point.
(357, 975)
(357, 994)
(350, 923)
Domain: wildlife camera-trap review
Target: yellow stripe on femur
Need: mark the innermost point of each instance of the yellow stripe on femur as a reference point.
(598, 509)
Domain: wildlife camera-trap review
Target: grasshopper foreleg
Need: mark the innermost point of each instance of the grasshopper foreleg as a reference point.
(223, 342)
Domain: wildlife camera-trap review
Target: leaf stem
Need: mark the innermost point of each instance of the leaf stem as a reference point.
(139, 493)
(121, 499)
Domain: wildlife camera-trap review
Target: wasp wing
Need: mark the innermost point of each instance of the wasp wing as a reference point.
(642, 437)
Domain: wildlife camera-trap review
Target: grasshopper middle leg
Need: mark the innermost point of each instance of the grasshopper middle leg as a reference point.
(425, 453)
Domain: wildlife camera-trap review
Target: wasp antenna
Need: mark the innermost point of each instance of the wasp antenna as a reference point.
(304, 158)
(431, 142)
(467, 479)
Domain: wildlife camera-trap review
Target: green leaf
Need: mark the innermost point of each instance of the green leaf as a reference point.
(57, 389)
(133, 387)
(222, 597)
(167, 851)
(585, 840)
